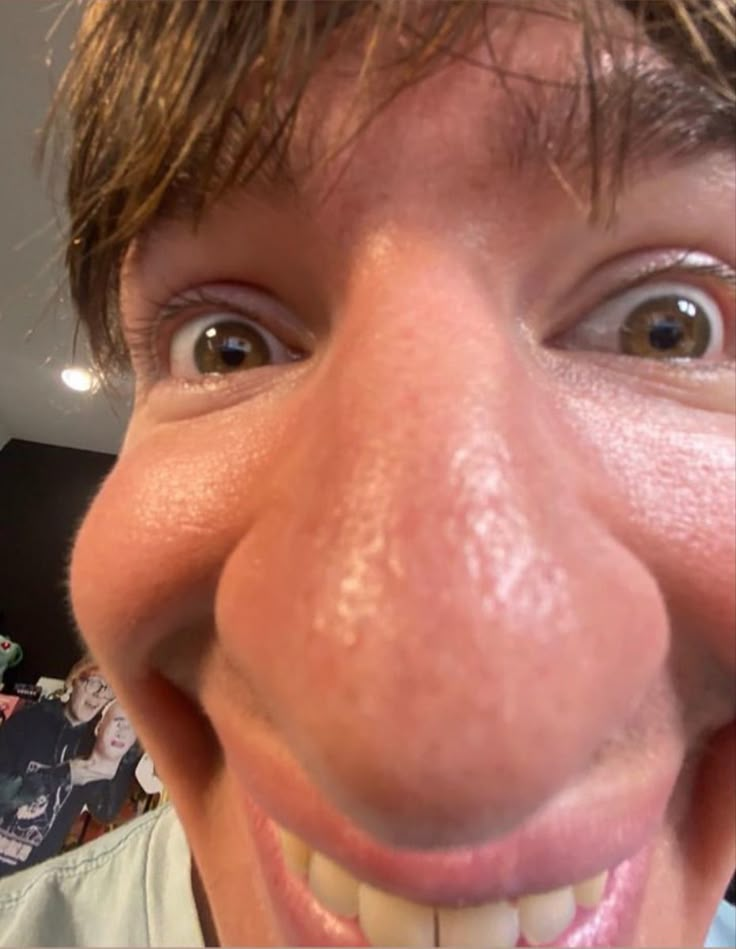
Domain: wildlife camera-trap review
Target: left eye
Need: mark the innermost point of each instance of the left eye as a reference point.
(223, 343)
(663, 320)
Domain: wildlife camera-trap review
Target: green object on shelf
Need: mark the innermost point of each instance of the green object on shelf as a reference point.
(11, 653)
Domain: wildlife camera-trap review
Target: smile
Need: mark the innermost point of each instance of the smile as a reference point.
(389, 920)
(537, 886)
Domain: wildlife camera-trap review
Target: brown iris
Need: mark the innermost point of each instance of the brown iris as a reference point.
(230, 346)
(666, 327)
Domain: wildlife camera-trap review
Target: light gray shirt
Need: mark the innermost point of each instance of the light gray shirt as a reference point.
(130, 887)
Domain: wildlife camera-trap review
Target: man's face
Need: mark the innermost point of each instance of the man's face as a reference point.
(88, 696)
(451, 595)
(115, 734)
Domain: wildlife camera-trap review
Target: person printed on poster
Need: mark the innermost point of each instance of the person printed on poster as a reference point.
(51, 797)
(8, 705)
(53, 730)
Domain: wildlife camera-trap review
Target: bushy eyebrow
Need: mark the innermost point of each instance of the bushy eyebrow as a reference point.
(593, 132)
(636, 120)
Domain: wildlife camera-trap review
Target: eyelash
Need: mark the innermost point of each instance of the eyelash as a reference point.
(682, 271)
(147, 342)
(719, 272)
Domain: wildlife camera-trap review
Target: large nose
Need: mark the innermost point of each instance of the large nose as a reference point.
(432, 602)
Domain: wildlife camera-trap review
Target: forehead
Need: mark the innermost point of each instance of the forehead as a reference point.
(515, 74)
(532, 93)
(482, 134)
(344, 95)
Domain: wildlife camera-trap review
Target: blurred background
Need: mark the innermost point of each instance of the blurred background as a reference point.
(59, 430)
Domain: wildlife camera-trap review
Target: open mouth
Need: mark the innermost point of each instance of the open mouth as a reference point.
(321, 902)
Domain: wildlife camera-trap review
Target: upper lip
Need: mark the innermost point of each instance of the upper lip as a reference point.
(603, 818)
(571, 838)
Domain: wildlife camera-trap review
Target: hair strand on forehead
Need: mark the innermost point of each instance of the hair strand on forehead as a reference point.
(166, 105)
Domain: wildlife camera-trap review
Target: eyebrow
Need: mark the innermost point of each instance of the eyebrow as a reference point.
(634, 120)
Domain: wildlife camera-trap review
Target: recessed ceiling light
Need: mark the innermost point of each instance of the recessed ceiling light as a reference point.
(81, 380)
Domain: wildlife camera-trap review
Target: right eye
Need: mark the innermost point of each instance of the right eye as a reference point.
(216, 344)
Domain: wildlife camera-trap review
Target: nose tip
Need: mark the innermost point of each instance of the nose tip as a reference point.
(439, 681)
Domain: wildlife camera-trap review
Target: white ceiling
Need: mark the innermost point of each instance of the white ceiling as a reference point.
(36, 322)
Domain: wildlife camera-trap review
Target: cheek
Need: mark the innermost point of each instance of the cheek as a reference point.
(79, 707)
(672, 473)
(149, 551)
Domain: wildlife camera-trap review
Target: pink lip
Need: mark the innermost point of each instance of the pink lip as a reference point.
(307, 923)
(607, 820)
(572, 838)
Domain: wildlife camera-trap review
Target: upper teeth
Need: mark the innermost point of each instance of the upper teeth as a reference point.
(389, 920)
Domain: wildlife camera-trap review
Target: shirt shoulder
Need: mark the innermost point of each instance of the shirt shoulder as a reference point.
(129, 887)
(722, 932)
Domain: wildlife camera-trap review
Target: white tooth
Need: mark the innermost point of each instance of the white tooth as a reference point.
(333, 886)
(388, 920)
(492, 924)
(296, 852)
(543, 916)
(589, 892)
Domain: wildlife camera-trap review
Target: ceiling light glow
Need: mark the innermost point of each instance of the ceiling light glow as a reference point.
(78, 379)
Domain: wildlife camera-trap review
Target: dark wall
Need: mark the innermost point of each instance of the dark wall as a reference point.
(44, 491)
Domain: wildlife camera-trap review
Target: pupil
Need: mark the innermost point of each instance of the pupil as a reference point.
(666, 335)
(231, 347)
(666, 327)
(234, 351)
(232, 356)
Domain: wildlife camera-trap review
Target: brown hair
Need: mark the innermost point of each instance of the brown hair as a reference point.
(151, 107)
(85, 668)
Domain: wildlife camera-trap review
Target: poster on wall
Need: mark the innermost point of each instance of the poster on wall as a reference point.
(8, 705)
(67, 769)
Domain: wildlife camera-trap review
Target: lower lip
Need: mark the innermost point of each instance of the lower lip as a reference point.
(305, 922)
